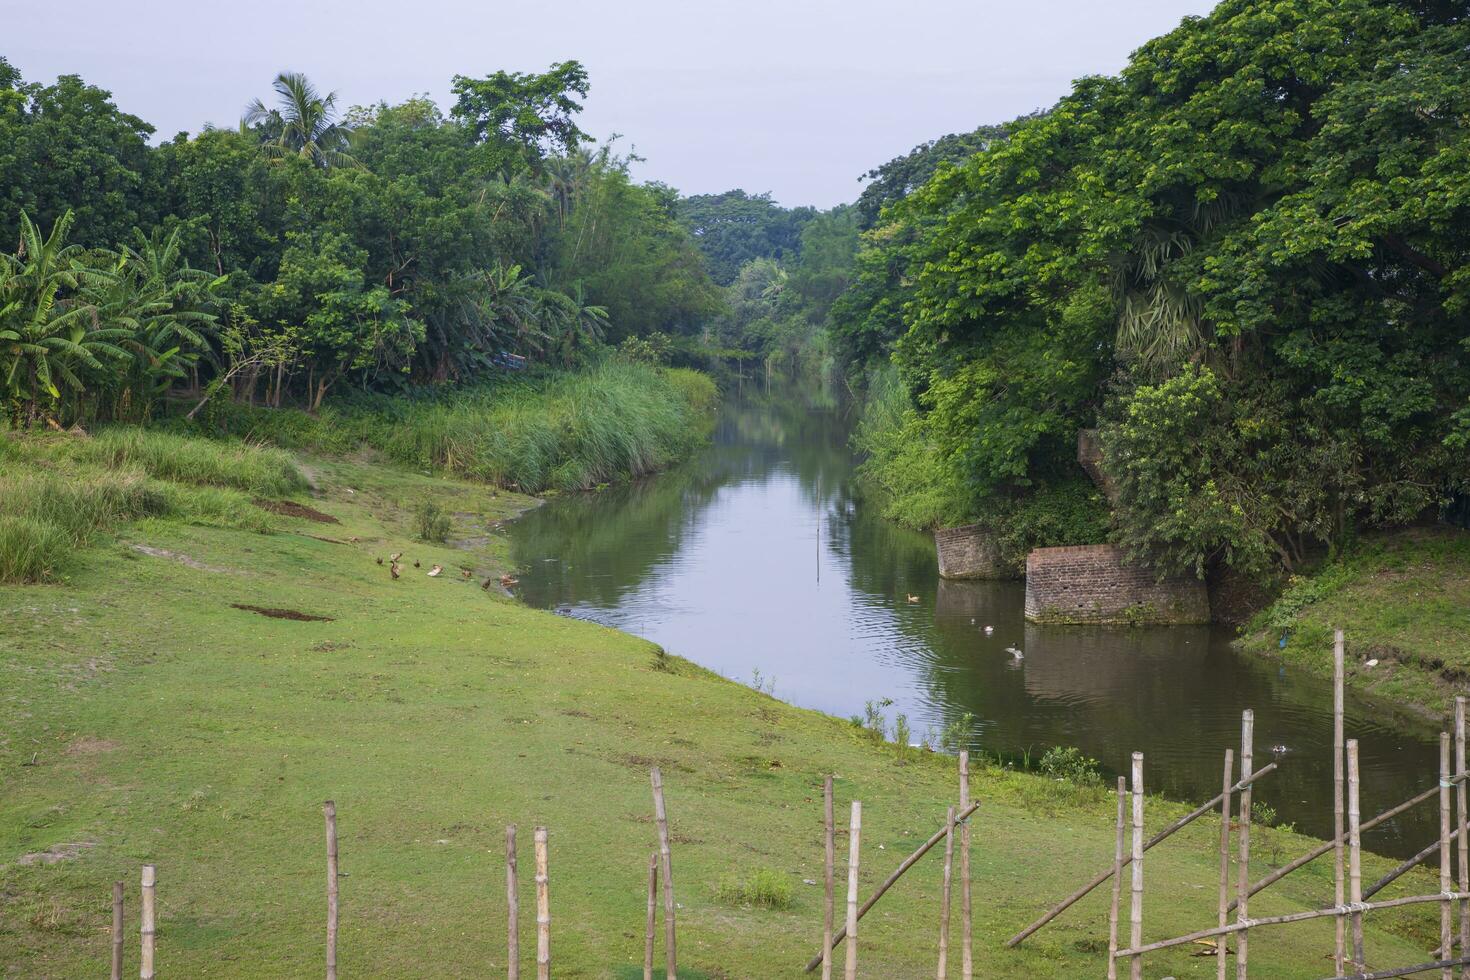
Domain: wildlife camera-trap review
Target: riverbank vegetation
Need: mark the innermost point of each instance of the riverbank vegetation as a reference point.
(435, 712)
(1242, 259)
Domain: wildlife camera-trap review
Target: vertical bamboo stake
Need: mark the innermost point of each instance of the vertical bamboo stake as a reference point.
(967, 960)
(1447, 909)
(117, 930)
(1337, 800)
(1355, 845)
(1135, 909)
(147, 918)
(652, 922)
(1243, 869)
(671, 967)
(329, 810)
(512, 908)
(1460, 803)
(943, 969)
(1224, 915)
(543, 910)
(1118, 845)
(830, 868)
(854, 832)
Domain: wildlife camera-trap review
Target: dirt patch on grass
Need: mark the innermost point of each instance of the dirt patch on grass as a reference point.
(289, 508)
(54, 854)
(282, 613)
(182, 559)
(87, 745)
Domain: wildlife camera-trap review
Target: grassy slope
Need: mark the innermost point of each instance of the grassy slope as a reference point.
(1402, 599)
(168, 727)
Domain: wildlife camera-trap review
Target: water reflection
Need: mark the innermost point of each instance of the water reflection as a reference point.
(755, 557)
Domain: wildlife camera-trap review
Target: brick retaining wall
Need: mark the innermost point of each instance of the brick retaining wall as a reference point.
(969, 552)
(1091, 584)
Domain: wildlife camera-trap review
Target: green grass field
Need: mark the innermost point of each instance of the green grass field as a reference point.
(145, 718)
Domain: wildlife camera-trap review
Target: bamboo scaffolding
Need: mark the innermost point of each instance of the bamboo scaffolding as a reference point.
(1355, 854)
(1119, 843)
(329, 811)
(1464, 848)
(1404, 868)
(1338, 956)
(1404, 971)
(512, 908)
(661, 815)
(1156, 839)
(1135, 907)
(147, 921)
(1446, 883)
(117, 930)
(1286, 919)
(854, 834)
(1243, 868)
(543, 909)
(967, 965)
(1326, 846)
(943, 969)
(888, 882)
(1224, 913)
(651, 927)
(830, 843)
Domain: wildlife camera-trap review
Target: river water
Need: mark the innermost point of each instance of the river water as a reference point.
(756, 560)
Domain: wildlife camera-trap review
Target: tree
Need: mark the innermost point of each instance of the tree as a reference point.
(304, 124)
(733, 228)
(521, 118)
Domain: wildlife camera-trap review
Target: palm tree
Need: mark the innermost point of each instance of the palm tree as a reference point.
(305, 124)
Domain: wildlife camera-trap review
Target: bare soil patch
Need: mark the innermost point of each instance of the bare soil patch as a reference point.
(290, 508)
(282, 613)
(87, 745)
(54, 854)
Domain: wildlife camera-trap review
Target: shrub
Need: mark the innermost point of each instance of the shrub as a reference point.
(764, 889)
(433, 522)
(1068, 763)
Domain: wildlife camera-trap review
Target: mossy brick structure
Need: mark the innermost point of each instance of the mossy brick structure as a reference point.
(969, 552)
(1092, 584)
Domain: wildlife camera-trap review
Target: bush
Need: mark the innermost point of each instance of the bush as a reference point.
(433, 522)
(1068, 763)
(764, 889)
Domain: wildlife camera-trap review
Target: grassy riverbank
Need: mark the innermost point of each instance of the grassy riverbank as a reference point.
(151, 712)
(1402, 599)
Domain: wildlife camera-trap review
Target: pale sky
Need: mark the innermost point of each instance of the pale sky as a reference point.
(797, 97)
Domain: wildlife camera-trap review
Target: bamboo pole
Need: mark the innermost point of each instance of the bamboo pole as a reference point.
(329, 811)
(854, 832)
(148, 921)
(888, 882)
(1464, 849)
(1224, 914)
(1156, 839)
(543, 909)
(1287, 919)
(1326, 846)
(967, 963)
(1404, 971)
(117, 930)
(671, 967)
(1119, 843)
(1337, 794)
(651, 927)
(512, 908)
(1355, 853)
(1243, 869)
(1446, 883)
(943, 970)
(1135, 907)
(1403, 868)
(830, 848)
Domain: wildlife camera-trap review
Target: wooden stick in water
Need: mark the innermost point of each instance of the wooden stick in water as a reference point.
(117, 930)
(1119, 843)
(1135, 909)
(1355, 853)
(148, 921)
(652, 921)
(830, 842)
(543, 909)
(854, 833)
(1338, 949)
(1243, 871)
(967, 963)
(512, 908)
(329, 811)
(1224, 916)
(671, 955)
(1464, 849)
(943, 969)
(1446, 883)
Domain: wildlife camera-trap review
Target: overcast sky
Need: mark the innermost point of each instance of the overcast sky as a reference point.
(795, 97)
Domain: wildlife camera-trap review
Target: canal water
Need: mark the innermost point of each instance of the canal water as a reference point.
(757, 561)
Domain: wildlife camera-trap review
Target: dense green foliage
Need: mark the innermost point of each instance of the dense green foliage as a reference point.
(378, 247)
(734, 228)
(1246, 255)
